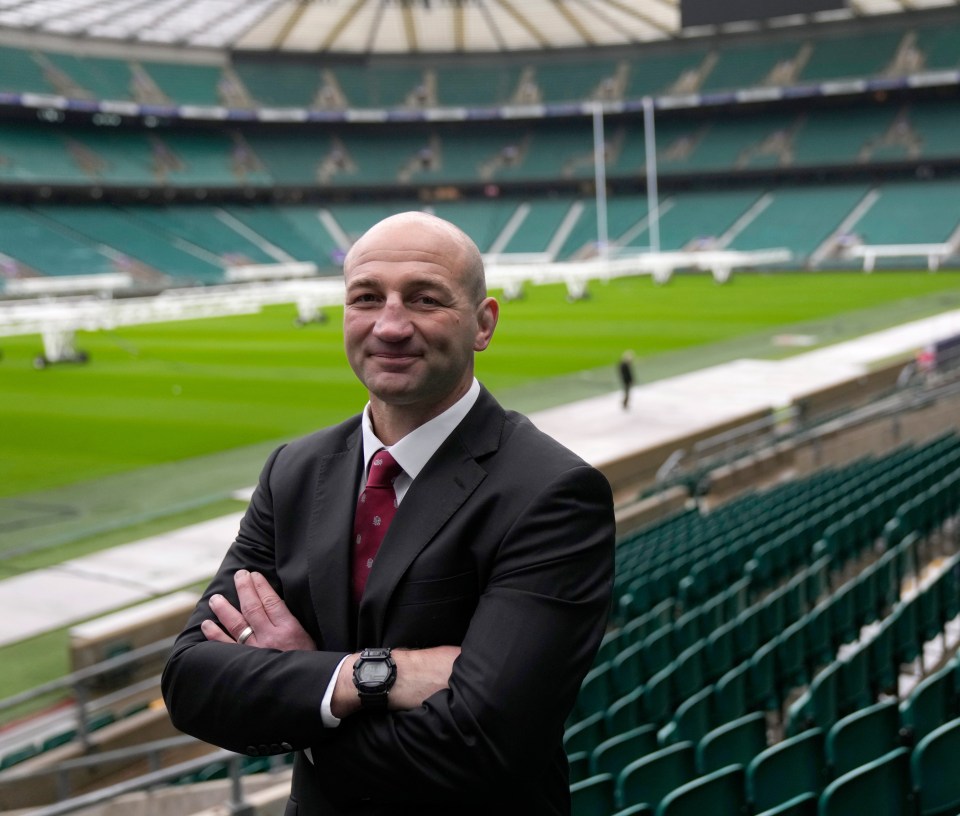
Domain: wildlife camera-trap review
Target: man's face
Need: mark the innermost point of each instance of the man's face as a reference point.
(411, 320)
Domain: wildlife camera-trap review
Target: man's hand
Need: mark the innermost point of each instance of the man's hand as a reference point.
(274, 627)
(420, 674)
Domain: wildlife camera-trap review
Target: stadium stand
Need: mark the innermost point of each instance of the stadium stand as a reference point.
(780, 649)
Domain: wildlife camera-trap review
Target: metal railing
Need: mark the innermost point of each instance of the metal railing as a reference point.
(81, 683)
(237, 804)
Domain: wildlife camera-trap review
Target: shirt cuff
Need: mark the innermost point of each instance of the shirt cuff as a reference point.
(326, 715)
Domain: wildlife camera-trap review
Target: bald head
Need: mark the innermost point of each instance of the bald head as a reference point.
(416, 230)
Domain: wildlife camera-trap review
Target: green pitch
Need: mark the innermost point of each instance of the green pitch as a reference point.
(161, 393)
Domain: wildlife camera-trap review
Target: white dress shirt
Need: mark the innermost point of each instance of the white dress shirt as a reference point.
(412, 453)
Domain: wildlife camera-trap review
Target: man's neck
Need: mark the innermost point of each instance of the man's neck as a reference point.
(391, 423)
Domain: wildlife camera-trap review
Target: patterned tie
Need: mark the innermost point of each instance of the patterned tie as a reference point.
(375, 510)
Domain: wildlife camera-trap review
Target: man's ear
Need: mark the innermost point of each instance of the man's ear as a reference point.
(488, 312)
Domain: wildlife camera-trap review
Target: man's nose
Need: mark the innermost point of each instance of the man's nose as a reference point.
(393, 322)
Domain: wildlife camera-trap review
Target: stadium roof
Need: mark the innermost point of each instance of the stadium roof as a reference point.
(390, 26)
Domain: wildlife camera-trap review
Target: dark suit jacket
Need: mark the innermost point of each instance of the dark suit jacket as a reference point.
(502, 545)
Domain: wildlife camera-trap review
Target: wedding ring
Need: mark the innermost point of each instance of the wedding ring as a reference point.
(245, 635)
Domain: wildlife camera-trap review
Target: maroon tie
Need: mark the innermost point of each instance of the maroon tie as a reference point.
(375, 510)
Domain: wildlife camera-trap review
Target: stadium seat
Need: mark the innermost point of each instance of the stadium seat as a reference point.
(579, 762)
(659, 696)
(884, 669)
(854, 689)
(626, 669)
(720, 650)
(763, 691)
(596, 691)
(803, 805)
(932, 767)
(585, 734)
(614, 754)
(625, 713)
(691, 670)
(792, 768)
(733, 743)
(719, 792)
(592, 796)
(817, 706)
(648, 779)
(694, 718)
(880, 788)
(792, 655)
(932, 702)
(17, 756)
(730, 694)
(863, 736)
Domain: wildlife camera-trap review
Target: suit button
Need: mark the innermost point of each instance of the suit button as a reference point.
(264, 750)
(252, 750)
(286, 746)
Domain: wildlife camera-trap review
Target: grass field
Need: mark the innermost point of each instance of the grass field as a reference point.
(163, 393)
(181, 404)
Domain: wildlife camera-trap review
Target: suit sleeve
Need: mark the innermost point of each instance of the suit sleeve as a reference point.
(227, 694)
(531, 640)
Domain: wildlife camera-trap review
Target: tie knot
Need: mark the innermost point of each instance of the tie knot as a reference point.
(383, 470)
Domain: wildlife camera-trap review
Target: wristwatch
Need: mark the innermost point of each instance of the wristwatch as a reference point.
(374, 674)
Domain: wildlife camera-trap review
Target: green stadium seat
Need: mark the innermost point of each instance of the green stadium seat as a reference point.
(649, 779)
(658, 651)
(863, 736)
(56, 740)
(762, 689)
(803, 805)
(18, 755)
(854, 690)
(720, 648)
(693, 719)
(579, 763)
(614, 754)
(596, 691)
(932, 702)
(908, 643)
(880, 788)
(730, 693)
(792, 655)
(719, 792)
(691, 670)
(626, 669)
(585, 734)
(884, 669)
(593, 795)
(936, 785)
(735, 742)
(626, 712)
(794, 767)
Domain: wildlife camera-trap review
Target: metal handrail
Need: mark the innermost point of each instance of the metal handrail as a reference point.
(237, 804)
(146, 749)
(84, 676)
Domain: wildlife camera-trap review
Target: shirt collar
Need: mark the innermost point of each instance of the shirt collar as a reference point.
(415, 449)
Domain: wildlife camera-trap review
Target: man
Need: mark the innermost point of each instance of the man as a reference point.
(625, 371)
(491, 585)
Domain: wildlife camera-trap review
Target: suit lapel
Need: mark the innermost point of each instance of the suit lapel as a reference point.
(439, 491)
(329, 546)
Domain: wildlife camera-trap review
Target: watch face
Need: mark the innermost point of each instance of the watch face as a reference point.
(374, 672)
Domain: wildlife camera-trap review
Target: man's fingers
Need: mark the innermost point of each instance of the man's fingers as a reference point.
(273, 605)
(213, 632)
(250, 604)
(231, 619)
